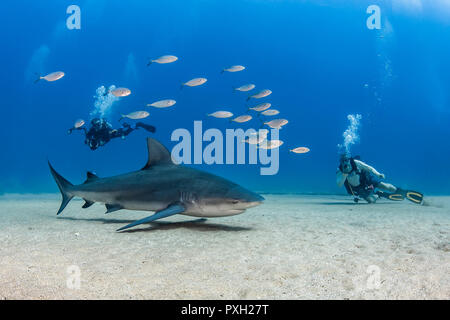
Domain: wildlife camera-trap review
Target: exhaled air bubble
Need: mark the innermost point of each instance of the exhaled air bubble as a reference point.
(351, 134)
(103, 101)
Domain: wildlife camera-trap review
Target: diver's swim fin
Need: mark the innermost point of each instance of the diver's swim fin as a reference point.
(414, 196)
(145, 126)
(396, 197)
(391, 196)
(169, 211)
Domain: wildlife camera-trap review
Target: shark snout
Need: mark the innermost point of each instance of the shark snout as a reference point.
(254, 201)
(244, 199)
(249, 204)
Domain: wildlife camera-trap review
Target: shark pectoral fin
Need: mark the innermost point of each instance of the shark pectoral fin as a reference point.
(112, 207)
(169, 211)
(87, 204)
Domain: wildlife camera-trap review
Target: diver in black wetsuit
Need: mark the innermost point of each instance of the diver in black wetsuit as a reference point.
(101, 132)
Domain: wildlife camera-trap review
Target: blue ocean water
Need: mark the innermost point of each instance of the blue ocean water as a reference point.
(318, 57)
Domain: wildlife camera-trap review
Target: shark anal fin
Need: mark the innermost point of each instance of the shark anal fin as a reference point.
(87, 204)
(167, 212)
(112, 207)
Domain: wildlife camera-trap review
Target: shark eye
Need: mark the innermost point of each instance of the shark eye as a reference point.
(234, 201)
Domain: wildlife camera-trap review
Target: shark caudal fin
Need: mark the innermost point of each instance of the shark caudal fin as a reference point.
(63, 186)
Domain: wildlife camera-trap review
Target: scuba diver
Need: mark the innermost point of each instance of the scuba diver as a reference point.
(363, 181)
(101, 132)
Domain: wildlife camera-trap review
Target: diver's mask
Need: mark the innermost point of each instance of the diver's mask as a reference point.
(346, 165)
(95, 123)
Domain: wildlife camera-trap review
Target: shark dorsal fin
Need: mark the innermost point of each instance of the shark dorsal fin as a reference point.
(157, 154)
(90, 177)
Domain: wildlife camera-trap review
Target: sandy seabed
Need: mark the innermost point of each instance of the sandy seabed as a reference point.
(291, 247)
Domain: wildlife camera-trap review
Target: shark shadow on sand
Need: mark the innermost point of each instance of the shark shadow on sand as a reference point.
(198, 224)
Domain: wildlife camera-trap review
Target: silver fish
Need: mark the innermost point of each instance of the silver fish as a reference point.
(233, 69)
(195, 82)
(245, 87)
(261, 107)
(163, 60)
(242, 119)
(136, 115)
(257, 138)
(271, 112)
(121, 92)
(79, 123)
(221, 114)
(52, 76)
(300, 150)
(270, 144)
(162, 103)
(261, 94)
(277, 123)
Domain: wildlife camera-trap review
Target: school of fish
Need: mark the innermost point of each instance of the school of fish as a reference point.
(259, 138)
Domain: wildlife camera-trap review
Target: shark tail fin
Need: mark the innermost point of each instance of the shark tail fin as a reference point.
(63, 186)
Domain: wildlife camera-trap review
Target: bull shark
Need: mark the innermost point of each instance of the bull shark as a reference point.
(163, 187)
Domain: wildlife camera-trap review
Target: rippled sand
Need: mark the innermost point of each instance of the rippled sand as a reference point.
(291, 247)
